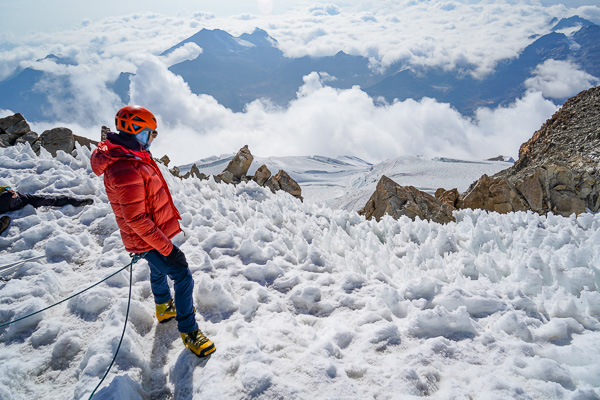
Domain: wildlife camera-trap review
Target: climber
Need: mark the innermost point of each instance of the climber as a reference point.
(148, 219)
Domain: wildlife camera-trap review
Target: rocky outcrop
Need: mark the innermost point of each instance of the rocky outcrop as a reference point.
(14, 125)
(85, 142)
(166, 160)
(449, 197)
(13, 129)
(396, 201)
(492, 194)
(195, 172)
(57, 139)
(558, 169)
(239, 165)
(262, 175)
(103, 132)
(282, 181)
(236, 172)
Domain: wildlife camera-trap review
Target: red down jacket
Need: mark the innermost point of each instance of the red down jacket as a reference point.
(139, 197)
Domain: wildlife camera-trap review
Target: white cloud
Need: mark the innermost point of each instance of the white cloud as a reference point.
(560, 79)
(591, 13)
(322, 120)
(328, 121)
(188, 51)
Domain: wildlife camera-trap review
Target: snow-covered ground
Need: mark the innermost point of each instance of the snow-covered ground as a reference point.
(302, 301)
(347, 182)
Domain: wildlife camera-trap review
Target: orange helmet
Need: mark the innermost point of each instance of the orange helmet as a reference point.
(134, 119)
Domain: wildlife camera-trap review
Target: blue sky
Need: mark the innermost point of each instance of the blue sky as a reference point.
(22, 16)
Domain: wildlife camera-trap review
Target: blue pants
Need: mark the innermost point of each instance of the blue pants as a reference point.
(179, 272)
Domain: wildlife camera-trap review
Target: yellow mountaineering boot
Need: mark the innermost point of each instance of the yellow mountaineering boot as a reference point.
(166, 311)
(198, 343)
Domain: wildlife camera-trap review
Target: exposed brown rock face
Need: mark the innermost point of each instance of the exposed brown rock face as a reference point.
(492, 194)
(195, 172)
(287, 184)
(558, 168)
(396, 201)
(449, 197)
(166, 160)
(261, 175)
(240, 164)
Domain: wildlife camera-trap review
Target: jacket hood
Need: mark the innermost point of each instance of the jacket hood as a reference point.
(116, 148)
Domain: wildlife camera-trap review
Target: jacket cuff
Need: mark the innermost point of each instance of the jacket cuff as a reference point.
(167, 250)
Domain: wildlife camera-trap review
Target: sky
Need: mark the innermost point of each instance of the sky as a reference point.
(108, 38)
(63, 14)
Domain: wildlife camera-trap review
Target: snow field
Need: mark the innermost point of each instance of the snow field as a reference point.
(302, 301)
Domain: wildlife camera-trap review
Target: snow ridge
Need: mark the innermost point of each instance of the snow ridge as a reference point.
(301, 300)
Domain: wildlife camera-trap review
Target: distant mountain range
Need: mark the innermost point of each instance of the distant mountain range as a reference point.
(238, 70)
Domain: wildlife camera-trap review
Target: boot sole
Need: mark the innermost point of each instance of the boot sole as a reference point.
(206, 352)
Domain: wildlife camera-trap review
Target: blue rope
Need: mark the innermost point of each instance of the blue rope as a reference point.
(122, 334)
(135, 258)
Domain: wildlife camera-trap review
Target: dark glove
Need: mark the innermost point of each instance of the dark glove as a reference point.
(177, 257)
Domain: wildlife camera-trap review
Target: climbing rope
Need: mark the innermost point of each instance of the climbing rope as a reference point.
(122, 334)
(135, 257)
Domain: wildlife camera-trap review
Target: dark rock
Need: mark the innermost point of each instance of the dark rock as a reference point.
(396, 201)
(261, 175)
(287, 184)
(4, 142)
(29, 137)
(226, 176)
(449, 197)
(85, 142)
(103, 132)
(558, 169)
(502, 158)
(166, 160)
(240, 164)
(272, 184)
(175, 171)
(57, 139)
(14, 124)
(195, 172)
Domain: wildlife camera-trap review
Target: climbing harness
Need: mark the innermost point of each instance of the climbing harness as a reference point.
(135, 257)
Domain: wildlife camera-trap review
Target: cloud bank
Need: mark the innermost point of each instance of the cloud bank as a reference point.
(327, 121)
(560, 79)
(470, 37)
